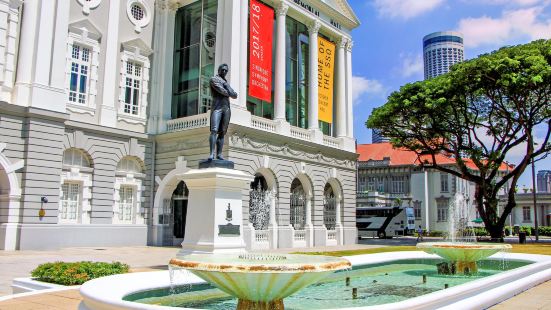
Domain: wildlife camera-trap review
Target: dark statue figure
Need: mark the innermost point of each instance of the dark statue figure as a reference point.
(220, 111)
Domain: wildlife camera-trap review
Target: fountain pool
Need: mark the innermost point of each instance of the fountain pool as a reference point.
(398, 286)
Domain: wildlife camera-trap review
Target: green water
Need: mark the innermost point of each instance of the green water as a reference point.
(376, 284)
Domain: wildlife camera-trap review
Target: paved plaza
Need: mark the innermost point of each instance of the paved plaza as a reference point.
(20, 263)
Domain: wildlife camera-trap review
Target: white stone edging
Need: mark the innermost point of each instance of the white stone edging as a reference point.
(107, 292)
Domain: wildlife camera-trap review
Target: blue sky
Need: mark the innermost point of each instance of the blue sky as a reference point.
(388, 44)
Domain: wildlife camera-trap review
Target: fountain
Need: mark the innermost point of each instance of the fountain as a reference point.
(260, 281)
(462, 251)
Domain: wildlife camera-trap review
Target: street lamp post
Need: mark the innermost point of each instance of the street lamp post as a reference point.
(534, 197)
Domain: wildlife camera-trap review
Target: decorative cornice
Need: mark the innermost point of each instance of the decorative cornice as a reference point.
(349, 45)
(314, 27)
(342, 42)
(245, 142)
(168, 5)
(282, 8)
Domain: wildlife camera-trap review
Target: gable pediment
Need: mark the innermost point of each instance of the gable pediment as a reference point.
(86, 29)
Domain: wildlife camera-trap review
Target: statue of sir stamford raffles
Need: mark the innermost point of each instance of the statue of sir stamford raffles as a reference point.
(220, 111)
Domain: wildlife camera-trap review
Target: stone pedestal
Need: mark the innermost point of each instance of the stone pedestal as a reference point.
(214, 214)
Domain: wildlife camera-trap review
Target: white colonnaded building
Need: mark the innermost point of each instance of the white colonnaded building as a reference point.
(104, 103)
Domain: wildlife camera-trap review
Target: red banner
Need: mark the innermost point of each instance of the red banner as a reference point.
(261, 25)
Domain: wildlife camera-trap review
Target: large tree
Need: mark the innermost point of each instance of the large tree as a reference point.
(477, 114)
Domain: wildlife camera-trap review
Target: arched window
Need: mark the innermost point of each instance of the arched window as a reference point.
(298, 205)
(129, 165)
(329, 207)
(75, 158)
(259, 203)
(76, 181)
(128, 191)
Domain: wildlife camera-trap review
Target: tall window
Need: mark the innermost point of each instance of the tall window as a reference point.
(80, 70)
(442, 209)
(417, 209)
(128, 191)
(296, 82)
(444, 184)
(70, 203)
(194, 47)
(398, 184)
(132, 88)
(526, 214)
(126, 204)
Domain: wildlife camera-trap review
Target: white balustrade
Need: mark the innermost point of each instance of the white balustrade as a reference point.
(263, 123)
(332, 235)
(190, 122)
(300, 133)
(299, 235)
(331, 141)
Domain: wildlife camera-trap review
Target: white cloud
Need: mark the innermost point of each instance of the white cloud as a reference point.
(362, 86)
(513, 24)
(411, 65)
(405, 9)
(522, 3)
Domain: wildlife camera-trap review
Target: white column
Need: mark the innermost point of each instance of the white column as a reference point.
(308, 227)
(161, 90)
(338, 221)
(341, 88)
(243, 48)
(427, 226)
(108, 115)
(313, 76)
(279, 92)
(228, 41)
(272, 227)
(349, 103)
(59, 57)
(36, 55)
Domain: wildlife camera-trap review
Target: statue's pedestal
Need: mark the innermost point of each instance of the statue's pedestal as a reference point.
(212, 227)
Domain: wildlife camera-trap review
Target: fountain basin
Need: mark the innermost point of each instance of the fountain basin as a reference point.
(109, 293)
(260, 280)
(463, 255)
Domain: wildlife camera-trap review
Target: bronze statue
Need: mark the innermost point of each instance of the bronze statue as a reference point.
(220, 110)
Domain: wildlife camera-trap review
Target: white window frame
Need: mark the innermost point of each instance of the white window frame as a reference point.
(123, 180)
(64, 216)
(526, 214)
(135, 57)
(83, 40)
(75, 175)
(442, 213)
(444, 183)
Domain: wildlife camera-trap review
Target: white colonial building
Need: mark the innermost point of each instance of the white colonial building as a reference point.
(104, 103)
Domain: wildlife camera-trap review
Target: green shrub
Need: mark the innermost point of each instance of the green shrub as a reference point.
(76, 273)
(544, 230)
(437, 233)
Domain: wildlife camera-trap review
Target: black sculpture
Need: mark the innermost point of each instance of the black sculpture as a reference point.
(220, 114)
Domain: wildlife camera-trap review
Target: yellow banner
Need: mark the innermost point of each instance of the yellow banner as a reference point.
(326, 71)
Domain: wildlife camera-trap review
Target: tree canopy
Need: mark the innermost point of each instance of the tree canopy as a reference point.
(477, 114)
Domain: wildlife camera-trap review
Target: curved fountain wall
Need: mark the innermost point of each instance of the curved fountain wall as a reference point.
(107, 293)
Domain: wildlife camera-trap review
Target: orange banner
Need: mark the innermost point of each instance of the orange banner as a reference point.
(326, 72)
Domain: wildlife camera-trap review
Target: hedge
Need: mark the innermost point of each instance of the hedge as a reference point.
(76, 273)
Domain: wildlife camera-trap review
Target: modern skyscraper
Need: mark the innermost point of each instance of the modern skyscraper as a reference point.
(441, 50)
(377, 137)
(544, 181)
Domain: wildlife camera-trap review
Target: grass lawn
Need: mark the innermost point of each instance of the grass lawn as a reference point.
(544, 249)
